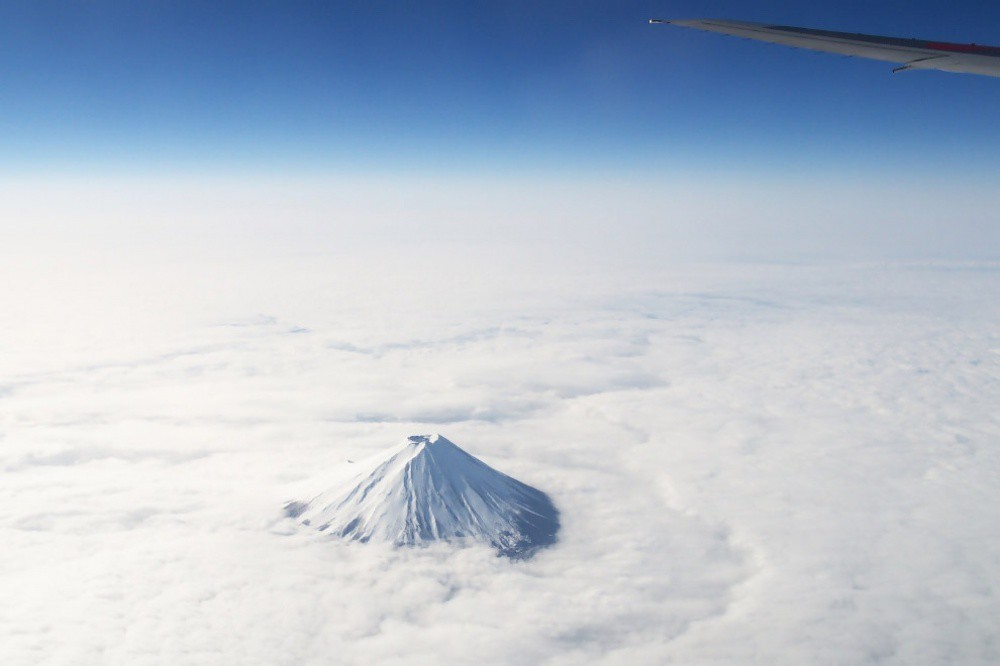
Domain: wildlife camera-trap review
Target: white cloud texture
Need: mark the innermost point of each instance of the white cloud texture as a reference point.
(753, 463)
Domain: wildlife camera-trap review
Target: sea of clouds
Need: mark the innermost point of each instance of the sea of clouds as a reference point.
(754, 463)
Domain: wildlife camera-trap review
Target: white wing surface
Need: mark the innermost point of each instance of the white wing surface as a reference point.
(909, 53)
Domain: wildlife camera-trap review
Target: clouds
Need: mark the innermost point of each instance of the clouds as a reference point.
(641, 217)
(752, 463)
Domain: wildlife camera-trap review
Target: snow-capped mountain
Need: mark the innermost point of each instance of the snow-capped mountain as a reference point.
(428, 489)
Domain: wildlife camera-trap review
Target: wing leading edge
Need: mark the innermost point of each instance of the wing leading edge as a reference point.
(910, 53)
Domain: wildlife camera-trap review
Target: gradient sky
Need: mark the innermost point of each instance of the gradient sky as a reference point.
(471, 86)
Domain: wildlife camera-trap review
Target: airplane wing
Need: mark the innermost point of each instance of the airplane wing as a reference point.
(910, 53)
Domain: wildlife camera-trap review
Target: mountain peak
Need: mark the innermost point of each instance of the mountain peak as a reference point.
(420, 442)
(429, 489)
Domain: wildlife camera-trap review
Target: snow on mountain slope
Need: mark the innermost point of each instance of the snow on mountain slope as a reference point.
(428, 489)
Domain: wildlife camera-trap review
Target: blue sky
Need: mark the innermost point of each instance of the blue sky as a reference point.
(479, 87)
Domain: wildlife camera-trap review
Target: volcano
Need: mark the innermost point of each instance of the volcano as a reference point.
(427, 490)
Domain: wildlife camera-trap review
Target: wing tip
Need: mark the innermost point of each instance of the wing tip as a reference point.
(685, 23)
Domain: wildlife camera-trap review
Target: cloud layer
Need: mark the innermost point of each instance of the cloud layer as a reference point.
(770, 464)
